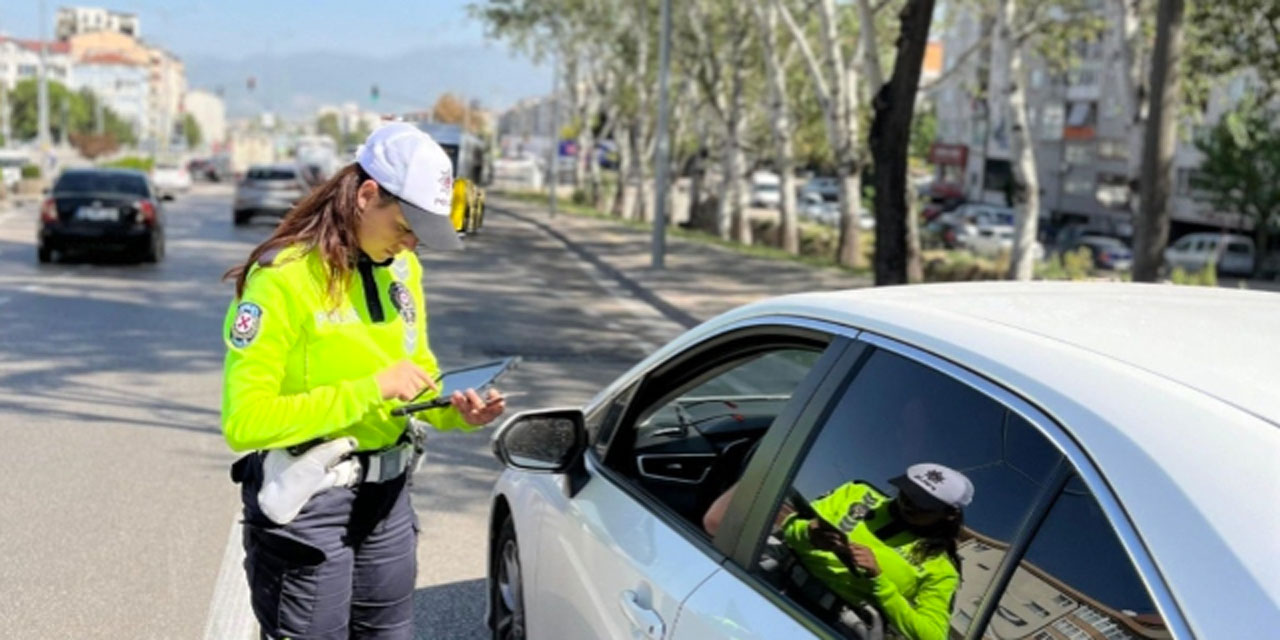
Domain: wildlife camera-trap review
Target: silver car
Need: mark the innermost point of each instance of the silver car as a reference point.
(267, 190)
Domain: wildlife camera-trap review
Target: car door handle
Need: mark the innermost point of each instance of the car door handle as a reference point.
(641, 618)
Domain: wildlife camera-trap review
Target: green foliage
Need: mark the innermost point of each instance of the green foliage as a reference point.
(131, 162)
(924, 131)
(1074, 265)
(191, 131)
(69, 112)
(1223, 37)
(1202, 278)
(1241, 168)
(30, 171)
(327, 125)
(962, 266)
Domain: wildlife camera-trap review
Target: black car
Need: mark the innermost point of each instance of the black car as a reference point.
(102, 209)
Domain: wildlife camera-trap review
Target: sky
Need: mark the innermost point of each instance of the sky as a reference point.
(382, 41)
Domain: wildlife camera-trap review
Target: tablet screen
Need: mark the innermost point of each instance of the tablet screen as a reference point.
(476, 377)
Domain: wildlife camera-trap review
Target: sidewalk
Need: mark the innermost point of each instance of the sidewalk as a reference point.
(701, 280)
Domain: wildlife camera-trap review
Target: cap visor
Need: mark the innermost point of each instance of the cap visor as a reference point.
(918, 495)
(433, 230)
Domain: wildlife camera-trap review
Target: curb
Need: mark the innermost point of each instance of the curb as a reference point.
(668, 310)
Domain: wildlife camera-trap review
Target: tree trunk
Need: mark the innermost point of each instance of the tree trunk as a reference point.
(1152, 229)
(849, 252)
(843, 131)
(870, 49)
(1026, 173)
(574, 85)
(894, 108)
(779, 110)
(915, 262)
(622, 196)
(998, 82)
(1126, 57)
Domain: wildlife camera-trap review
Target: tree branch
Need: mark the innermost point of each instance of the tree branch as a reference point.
(815, 69)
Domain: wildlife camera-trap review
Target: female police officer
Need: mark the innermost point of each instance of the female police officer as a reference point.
(327, 333)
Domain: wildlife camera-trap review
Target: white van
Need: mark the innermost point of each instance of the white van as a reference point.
(766, 190)
(1229, 253)
(11, 163)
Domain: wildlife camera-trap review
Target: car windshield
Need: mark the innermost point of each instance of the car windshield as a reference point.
(272, 174)
(101, 182)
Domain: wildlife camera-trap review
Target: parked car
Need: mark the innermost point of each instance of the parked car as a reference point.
(267, 190)
(983, 215)
(1107, 468)
(766, 190)
(1108, 253)
(1230, 254)
(170, 179)
(102, 209)
(826, 187)
(812, 207)
(11, 163)
(994, 240)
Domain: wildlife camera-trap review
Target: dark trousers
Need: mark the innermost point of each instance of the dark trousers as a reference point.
(344, 568)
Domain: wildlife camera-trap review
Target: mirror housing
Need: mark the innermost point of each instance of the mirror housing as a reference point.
(168, 197)
(543, 441)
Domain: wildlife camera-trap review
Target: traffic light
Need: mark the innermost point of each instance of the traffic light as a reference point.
(252, 82)
(373, 93)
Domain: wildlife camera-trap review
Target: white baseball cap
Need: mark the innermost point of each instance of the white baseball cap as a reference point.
(929, 483)
(408, 163)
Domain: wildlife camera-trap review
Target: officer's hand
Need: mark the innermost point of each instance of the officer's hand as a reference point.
(864, 558)
(476, 411)
(825, 537)
(403, 381)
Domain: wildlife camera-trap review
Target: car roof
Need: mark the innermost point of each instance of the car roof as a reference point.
(105, 171)
(1170, 391)
(273, 167)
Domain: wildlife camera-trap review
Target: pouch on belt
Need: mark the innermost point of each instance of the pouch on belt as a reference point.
(289, 481)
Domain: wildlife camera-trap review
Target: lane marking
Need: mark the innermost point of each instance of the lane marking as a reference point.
(230, 615)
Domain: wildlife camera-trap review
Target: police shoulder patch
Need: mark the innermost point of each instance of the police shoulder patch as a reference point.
(245, 325)
(403, 301)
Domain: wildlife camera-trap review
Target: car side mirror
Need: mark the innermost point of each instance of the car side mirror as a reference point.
(168, 197)
(546, 441)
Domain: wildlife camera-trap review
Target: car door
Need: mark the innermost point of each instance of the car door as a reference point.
(617, 558)
(891, 408)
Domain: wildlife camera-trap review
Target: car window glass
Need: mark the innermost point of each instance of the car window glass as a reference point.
(694, 442)
(101, 183)
(1238, 248)
(1076, 581)
(894, 414)
(603, 422)
(272, 174)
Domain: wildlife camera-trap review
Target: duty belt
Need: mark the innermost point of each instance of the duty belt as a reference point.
(385, 464)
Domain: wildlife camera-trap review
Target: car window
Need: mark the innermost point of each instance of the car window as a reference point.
(1183, 245)
(272, 174)
(603, 422)
(1238, 248)
(95, 182)
(1075, 581)
(692, 441)
(897, 413)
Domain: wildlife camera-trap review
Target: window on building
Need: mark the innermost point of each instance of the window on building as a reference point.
(1078, 153)
(1082, 114)
(26, 70)
(1113, 149)
(1190, 183)
(1078, 186)
(1113, 191)
(1051, 121)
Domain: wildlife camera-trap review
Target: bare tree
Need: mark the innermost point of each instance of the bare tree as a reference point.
(776, 63)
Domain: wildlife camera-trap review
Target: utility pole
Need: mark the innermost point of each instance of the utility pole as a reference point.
(5, 129)
(553, 150)
(662, 152)
(42, 91)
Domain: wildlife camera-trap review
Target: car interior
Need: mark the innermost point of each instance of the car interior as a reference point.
(694, 430)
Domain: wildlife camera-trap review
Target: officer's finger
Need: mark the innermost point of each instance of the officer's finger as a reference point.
(474, 398)
(459, 400)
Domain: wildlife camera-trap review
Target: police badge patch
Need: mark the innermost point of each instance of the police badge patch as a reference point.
(403, 302)
(244, 328)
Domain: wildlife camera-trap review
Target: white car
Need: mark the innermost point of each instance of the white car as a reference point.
(1231, 254)
(766, 190)
(1121, 439)
(170, 179)
(993, 241)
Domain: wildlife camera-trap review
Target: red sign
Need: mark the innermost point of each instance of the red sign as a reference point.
(949, 154)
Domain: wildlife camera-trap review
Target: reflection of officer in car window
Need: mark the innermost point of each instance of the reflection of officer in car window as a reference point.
(898, 554)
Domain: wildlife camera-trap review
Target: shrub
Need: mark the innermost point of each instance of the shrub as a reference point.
(131, 162)
(30, 171)
(1207, 277)
(1073, 265)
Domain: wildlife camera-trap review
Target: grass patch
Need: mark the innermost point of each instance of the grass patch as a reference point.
(817, 241)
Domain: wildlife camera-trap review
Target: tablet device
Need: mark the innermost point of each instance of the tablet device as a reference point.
(478, 377)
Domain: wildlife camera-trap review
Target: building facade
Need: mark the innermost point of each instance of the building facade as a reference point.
(72, 21)
(20, 60)
(166, 78)
(120, 84)
(1085, 142)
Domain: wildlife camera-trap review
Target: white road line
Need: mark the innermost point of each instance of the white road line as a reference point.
(230, 616)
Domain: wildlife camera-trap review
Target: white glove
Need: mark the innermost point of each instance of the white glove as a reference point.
(288, 482)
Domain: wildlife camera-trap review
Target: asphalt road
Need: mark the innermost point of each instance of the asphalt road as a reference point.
(119, 516)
